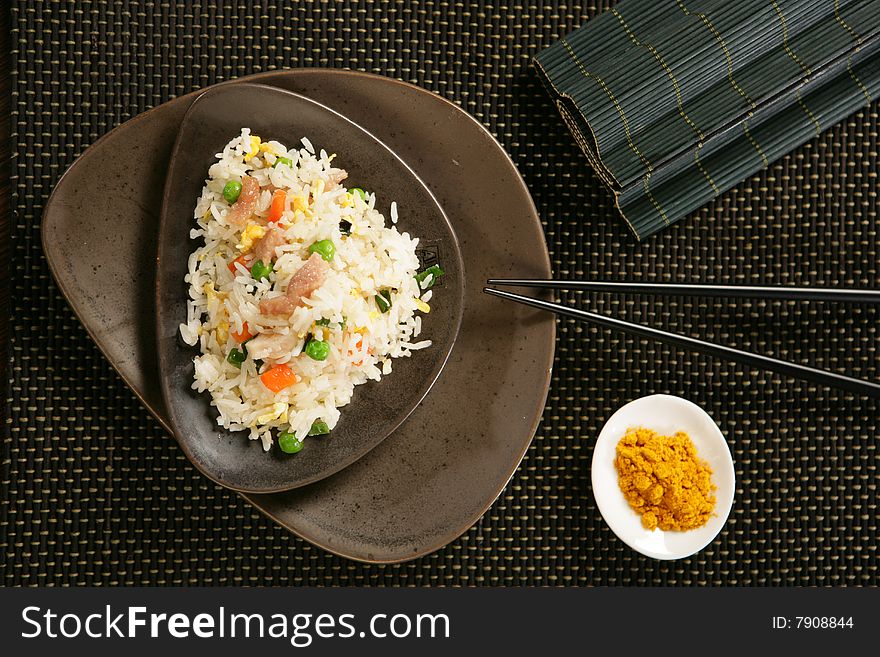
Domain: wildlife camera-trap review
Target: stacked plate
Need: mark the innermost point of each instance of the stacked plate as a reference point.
(381, 493)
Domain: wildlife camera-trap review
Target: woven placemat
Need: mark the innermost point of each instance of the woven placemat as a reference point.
(93, 491)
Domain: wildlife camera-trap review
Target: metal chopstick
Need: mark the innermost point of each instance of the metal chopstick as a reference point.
(787, 293)
(804, 372)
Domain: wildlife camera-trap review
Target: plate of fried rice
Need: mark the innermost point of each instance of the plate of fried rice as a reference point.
(309, 289)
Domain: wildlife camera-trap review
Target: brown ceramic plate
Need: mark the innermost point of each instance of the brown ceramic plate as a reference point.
(438, 473)
(377, 408)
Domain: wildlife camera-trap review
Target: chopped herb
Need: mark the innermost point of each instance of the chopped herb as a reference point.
(383, 300)
(237, 357)
(260, 271)
(434, 271)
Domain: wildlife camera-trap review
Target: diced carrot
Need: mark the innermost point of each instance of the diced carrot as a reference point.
(244, 336)
(358, 349)
(278, 378)
(240, 260)
(277, 209)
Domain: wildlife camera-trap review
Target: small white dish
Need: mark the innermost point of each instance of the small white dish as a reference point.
(666, 415)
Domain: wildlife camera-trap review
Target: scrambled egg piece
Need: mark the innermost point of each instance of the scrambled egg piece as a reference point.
(421, 305)
(249, 235)
(267, 148)
(278, 412)
(300, 203)
(222, 332)
(255, 148)
(212, 293)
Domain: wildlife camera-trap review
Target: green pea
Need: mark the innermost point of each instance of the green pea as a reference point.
(283, 160)
(260, 271)
(317, 349)
(289, 443)
(359, 192)
(231, 190)
(237, 357)
(325, 248)
(319, 428)
(433, 270)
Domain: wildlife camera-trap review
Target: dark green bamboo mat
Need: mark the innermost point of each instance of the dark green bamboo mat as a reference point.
(93, 492)
(675, 101)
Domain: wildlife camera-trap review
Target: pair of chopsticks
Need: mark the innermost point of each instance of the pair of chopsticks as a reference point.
(822, 377)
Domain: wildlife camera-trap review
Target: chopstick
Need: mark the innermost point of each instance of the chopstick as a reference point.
(822, 377)
(745, 291)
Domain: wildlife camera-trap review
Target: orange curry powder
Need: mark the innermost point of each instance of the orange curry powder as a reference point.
(664, 480)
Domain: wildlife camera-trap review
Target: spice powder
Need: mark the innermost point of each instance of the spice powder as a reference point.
(664, 480)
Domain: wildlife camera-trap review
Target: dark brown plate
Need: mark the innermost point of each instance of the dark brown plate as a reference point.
(377, 408)
(439, 472)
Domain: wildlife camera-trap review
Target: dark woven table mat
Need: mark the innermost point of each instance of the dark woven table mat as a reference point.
(93, 491)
